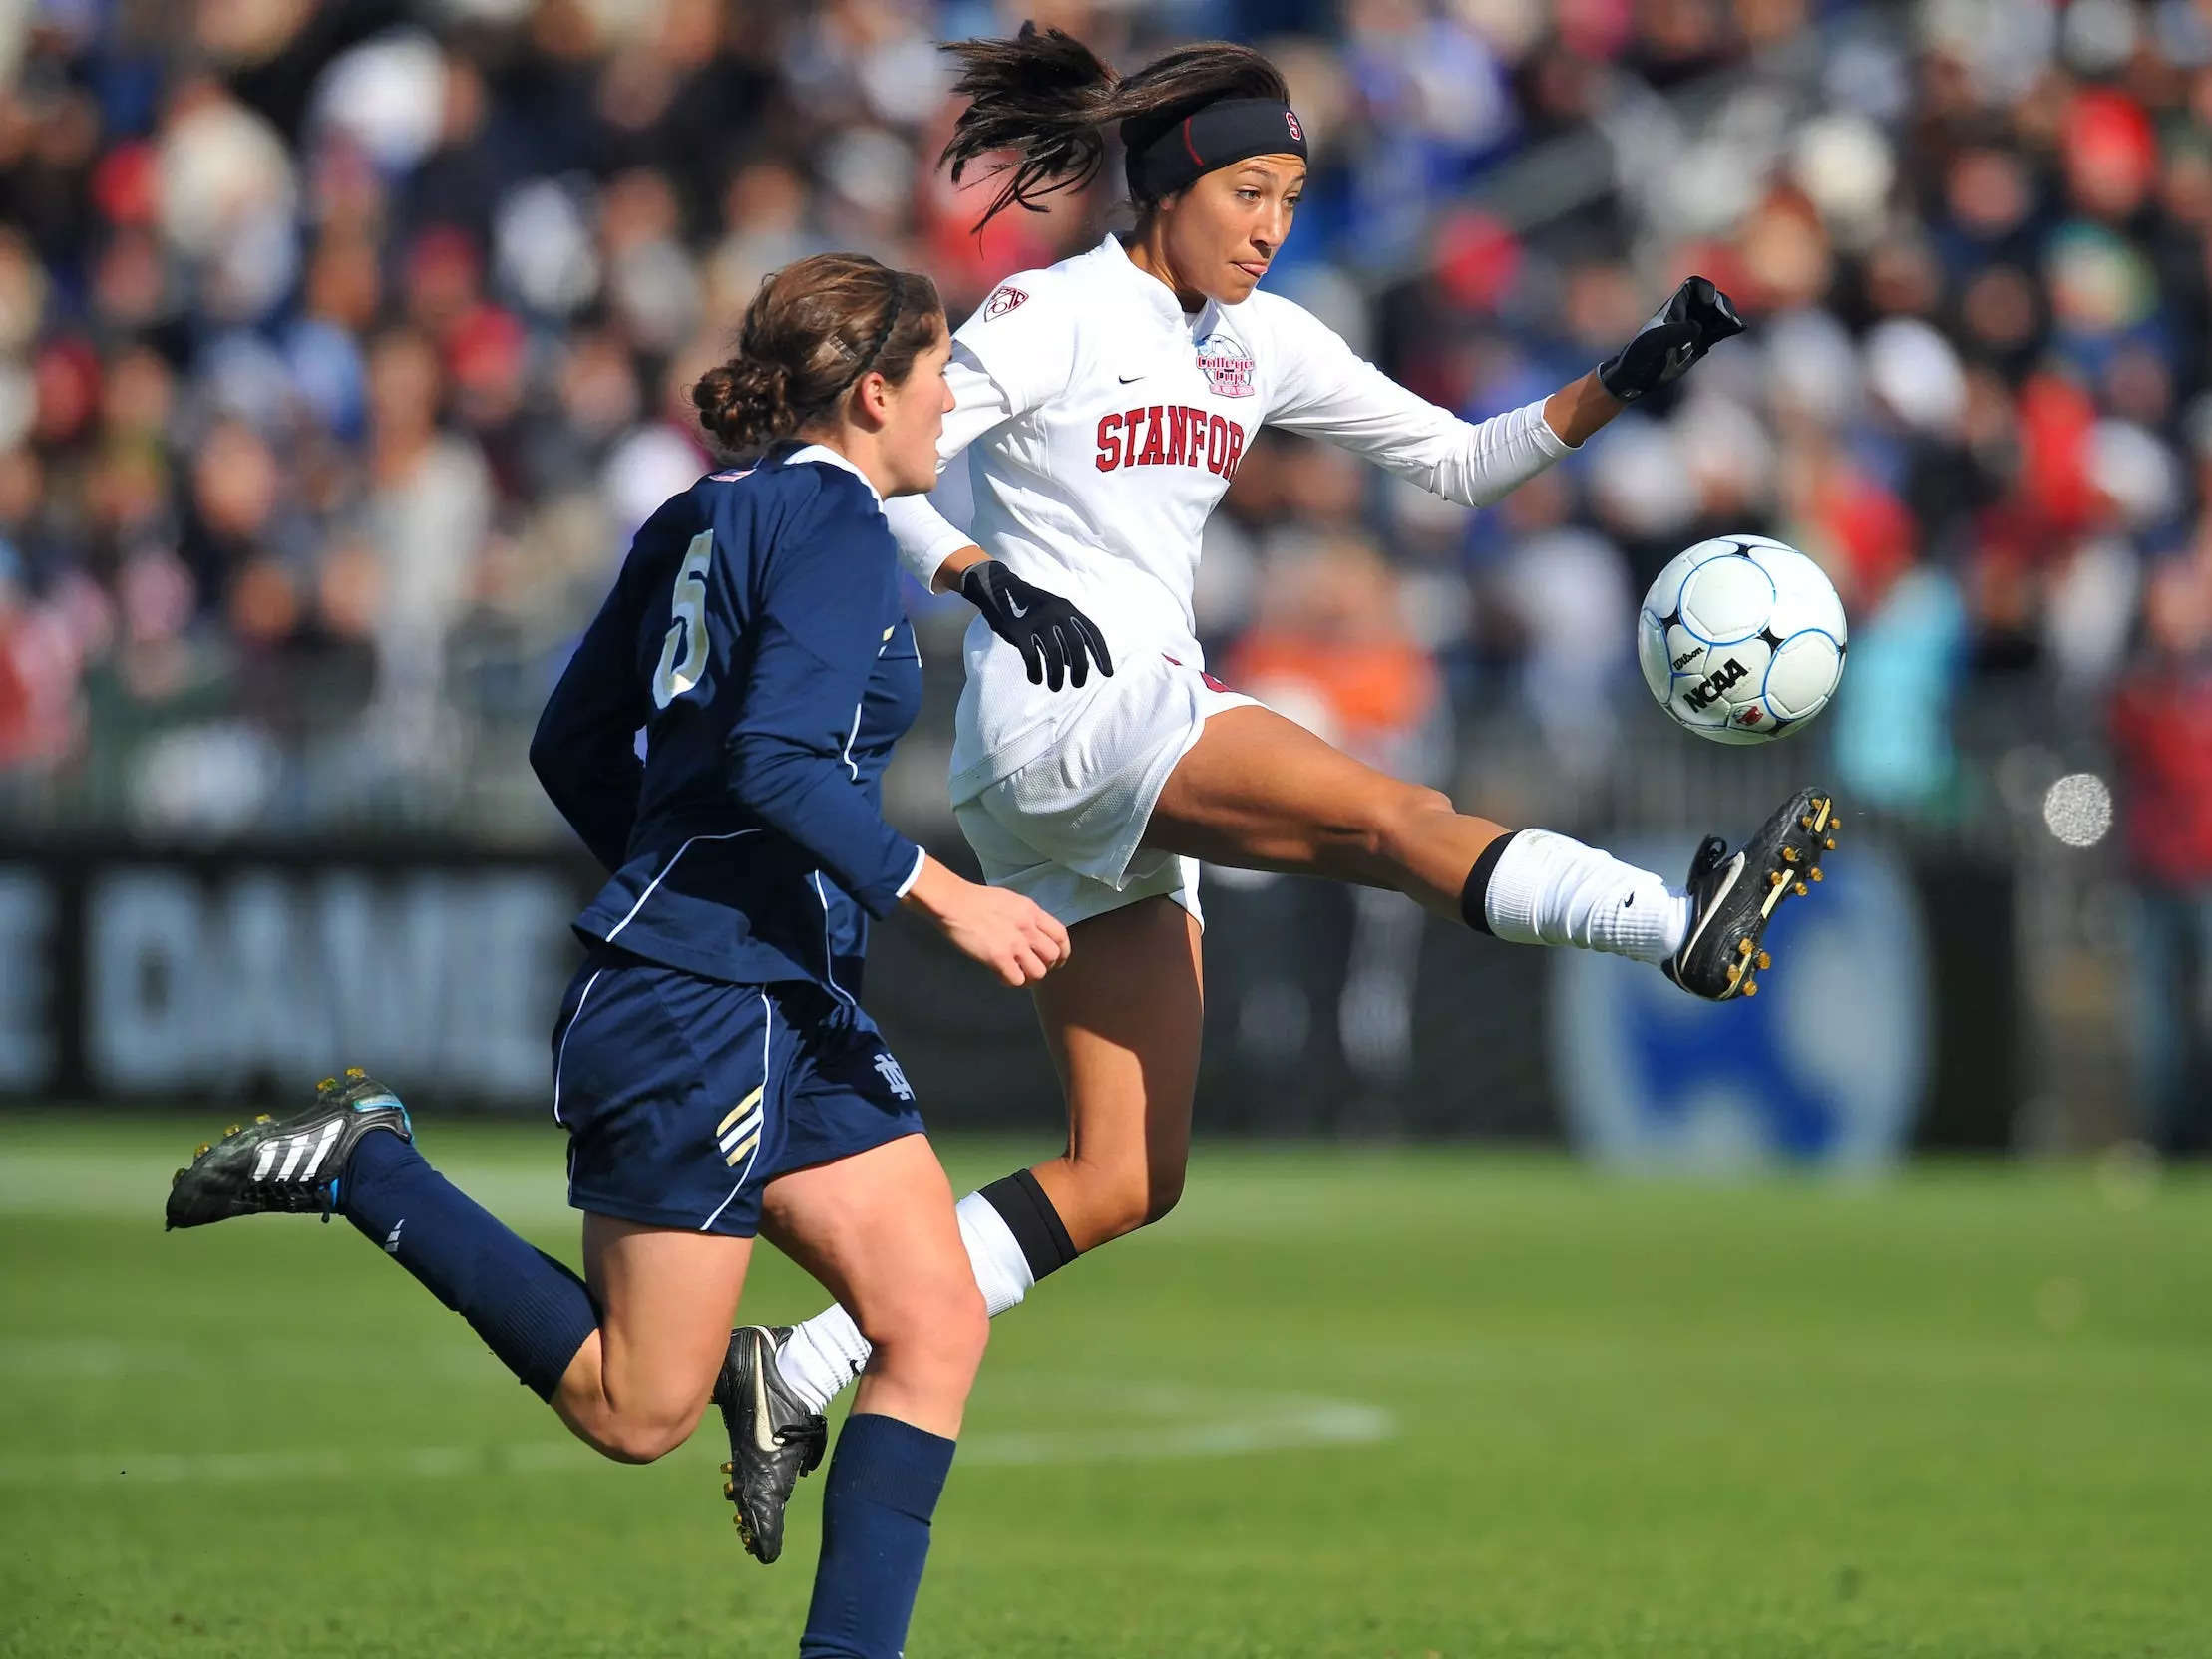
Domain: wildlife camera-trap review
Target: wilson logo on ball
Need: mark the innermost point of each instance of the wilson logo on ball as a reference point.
(1707, 691)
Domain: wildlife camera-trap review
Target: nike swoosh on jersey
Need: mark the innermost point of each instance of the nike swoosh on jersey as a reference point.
(1127, 378)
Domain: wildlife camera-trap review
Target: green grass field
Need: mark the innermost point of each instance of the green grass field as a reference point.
(1424, 1402)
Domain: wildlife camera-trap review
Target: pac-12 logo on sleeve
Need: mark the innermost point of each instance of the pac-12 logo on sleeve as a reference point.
(1228, 366)
(1007, 298)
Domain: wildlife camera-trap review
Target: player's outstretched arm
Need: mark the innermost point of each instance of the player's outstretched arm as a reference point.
(1327, 391)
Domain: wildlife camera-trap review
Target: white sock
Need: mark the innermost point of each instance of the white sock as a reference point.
(826, 1353)
(1550, 889)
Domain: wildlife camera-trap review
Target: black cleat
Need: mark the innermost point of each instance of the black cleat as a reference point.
(289, 1167)
(774, 1439)
(1734, 895)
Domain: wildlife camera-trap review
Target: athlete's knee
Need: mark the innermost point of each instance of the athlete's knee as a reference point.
(1124, 1197)
(643, 1436)
(1163, 1191)
(939, 1321)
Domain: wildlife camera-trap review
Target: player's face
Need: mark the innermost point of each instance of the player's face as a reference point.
(1222, 232)
(914, 416)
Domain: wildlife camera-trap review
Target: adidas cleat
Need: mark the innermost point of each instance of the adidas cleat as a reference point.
(1734, 895)
(774, 1437)
(290, 1166)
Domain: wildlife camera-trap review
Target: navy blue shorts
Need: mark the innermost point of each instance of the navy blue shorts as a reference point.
(684, 1097)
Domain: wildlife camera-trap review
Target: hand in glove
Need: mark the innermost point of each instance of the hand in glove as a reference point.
(1055, 639)
(1696, 319)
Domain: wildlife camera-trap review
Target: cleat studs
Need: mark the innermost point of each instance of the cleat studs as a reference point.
(1831, 843)
(729, 1490)
(1789, 855)
(1736, 972)
(263, 1118)
(232, 1130)
(1775, 879)
(1816, 873)
(727, 1470)
(203, 1149)
(1743, 945)
(326, 1083)
(1801, 890)
(1750, 987)
(355, 1073)
(1765, 961)
(1805, 822)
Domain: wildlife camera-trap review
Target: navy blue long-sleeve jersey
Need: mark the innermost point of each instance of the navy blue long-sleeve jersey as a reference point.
(756, 634)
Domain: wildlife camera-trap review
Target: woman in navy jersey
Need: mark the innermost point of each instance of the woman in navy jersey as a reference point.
(712, 1064)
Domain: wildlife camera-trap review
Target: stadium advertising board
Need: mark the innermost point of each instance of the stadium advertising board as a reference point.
(160, 977)
(130, 975)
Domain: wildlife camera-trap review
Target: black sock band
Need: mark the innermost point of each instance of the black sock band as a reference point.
(1035, 1225)
(1474, 897)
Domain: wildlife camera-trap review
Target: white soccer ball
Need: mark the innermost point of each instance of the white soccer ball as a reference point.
(1741, 639)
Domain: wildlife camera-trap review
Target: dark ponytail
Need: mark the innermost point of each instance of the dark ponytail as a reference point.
(813, 330)
(1046, 96)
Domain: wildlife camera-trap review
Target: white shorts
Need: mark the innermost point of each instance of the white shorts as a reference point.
(1065, 830)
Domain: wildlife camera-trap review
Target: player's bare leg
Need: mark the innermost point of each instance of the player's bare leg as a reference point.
(1259, 791)
(858, 1227)
(626, 1358)
(666, 1298)
(878, 1230)
(1123, 1020)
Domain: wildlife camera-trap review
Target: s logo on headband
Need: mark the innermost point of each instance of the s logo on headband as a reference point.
(1291, 119)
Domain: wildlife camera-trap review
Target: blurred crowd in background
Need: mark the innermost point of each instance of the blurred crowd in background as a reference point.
(343, 343)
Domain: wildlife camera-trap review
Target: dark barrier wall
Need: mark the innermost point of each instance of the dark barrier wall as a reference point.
(133, 974)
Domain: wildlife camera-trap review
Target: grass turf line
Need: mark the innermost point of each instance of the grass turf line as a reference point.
(1966, 1414)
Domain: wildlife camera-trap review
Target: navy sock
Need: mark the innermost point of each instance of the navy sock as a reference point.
(531, 1310)
(876, 1501)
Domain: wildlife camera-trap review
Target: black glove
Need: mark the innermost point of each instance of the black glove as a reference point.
(1054, 638)
(1696, 319)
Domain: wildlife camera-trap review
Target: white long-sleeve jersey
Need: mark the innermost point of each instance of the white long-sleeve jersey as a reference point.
(1102, 424)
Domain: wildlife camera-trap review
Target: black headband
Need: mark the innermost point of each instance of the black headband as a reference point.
(882, 335)
(1218, 136)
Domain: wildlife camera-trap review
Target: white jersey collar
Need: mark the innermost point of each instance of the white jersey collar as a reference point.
(1114, 260)
(823, 451)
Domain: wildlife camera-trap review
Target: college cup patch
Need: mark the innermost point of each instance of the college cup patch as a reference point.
(1227, 367)
(1007, 298)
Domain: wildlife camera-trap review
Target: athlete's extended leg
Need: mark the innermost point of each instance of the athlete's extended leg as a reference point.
(1261, 791)
(878, 1228)
(626, 1367)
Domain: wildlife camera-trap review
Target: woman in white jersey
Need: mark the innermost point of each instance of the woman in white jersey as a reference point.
(1103, 405)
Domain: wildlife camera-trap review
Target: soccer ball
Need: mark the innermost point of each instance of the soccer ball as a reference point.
(1741, 639)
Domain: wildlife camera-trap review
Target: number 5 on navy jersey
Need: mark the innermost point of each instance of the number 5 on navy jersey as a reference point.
(684, 651)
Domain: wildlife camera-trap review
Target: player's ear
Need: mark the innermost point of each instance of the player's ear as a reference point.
(871, 396)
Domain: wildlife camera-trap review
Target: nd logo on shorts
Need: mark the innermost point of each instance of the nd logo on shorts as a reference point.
(1228, 366)
(889, 1070)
